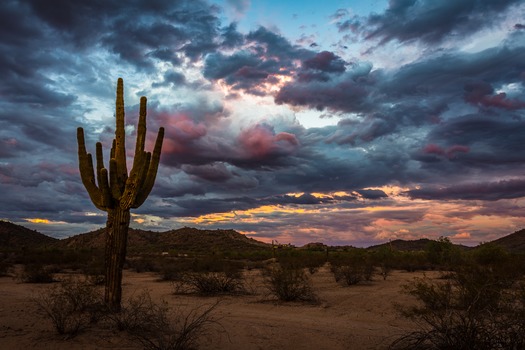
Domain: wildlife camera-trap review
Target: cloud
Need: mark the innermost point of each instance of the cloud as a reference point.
(260, 142)
(481, 93)
(450, 152)
(432, 22)
(239, 7)
(489, 191)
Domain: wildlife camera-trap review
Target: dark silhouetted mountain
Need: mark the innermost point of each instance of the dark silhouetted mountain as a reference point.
(410, 245)
(404, 245)
(184, 239)
(13, 236)
(514, 243)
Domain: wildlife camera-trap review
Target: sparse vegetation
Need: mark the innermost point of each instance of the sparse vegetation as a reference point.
(37, 274)
(475, 308)
(210, 283)
(289, 284)
(353, 268)
(71, 306)
(155, 326)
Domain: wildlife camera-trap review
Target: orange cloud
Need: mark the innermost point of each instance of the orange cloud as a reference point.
(38, 220)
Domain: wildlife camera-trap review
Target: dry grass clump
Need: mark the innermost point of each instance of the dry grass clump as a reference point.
(157, 327)
(210, 283)
(71, 306)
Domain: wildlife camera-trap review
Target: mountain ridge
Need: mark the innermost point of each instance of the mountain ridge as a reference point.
(13, 236)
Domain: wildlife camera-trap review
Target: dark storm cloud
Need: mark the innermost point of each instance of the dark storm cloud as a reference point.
(431, 21)
(346, 92)
(372, 194)
(137, 31)
(216, 172)
(454, 73)
(231, 38)
(478, 142)
(488, 191)
(263, 56)
(202, 205)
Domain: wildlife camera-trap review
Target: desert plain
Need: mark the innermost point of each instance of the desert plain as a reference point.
(362, 316)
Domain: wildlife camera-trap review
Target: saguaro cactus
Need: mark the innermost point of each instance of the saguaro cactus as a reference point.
(121, 192)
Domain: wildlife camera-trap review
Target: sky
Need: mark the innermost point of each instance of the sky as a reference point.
(343, 122)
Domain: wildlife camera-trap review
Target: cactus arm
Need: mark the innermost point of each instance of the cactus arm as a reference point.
(113, 180)
(120, 136)
(100, 161)
(112, 152)
(104, 188)
(143, 175)
(141, 127)
(149, 181)
(87, 171)
(134, 181)
(139, 162)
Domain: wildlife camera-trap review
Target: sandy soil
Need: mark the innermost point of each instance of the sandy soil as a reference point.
(356, 317)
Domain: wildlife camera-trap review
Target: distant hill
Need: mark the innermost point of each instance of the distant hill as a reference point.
(514, 243)
(403, 245)
(13, 236)
(410, 245)
(184, 239)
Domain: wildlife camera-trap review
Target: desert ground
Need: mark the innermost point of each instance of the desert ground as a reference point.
(356, 317)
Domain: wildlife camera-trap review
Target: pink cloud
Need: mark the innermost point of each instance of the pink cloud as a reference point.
(180, 131)
(481, 93)
(260, 141)
(449, 152)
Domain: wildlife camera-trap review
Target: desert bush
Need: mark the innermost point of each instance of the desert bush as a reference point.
(311, 260)
(352, 270)
(5, 267)
(348, 274)
(470, 310)
(178, 269)
(144, 264)
(155, 326)
(210, 283)
(37, 274)
(442, 253)
(289, 284)
(71, 306)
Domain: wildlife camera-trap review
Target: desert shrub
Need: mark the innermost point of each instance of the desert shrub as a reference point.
(71, 306)
(311, 260)
(5, 267)
(470, 310)
(63, 258)
(289, 284)
(347, 275)
(155, 326)
(384, 259)
(37, 274)
(353, 269)
(178, 269)
(412, 261)
(441, 253)
(210, 283)
(144, 264)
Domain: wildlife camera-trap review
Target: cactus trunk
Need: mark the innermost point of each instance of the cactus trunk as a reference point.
(116, 244)
(116, 192)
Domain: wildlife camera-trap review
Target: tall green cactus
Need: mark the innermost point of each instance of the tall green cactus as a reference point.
(118, 194)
